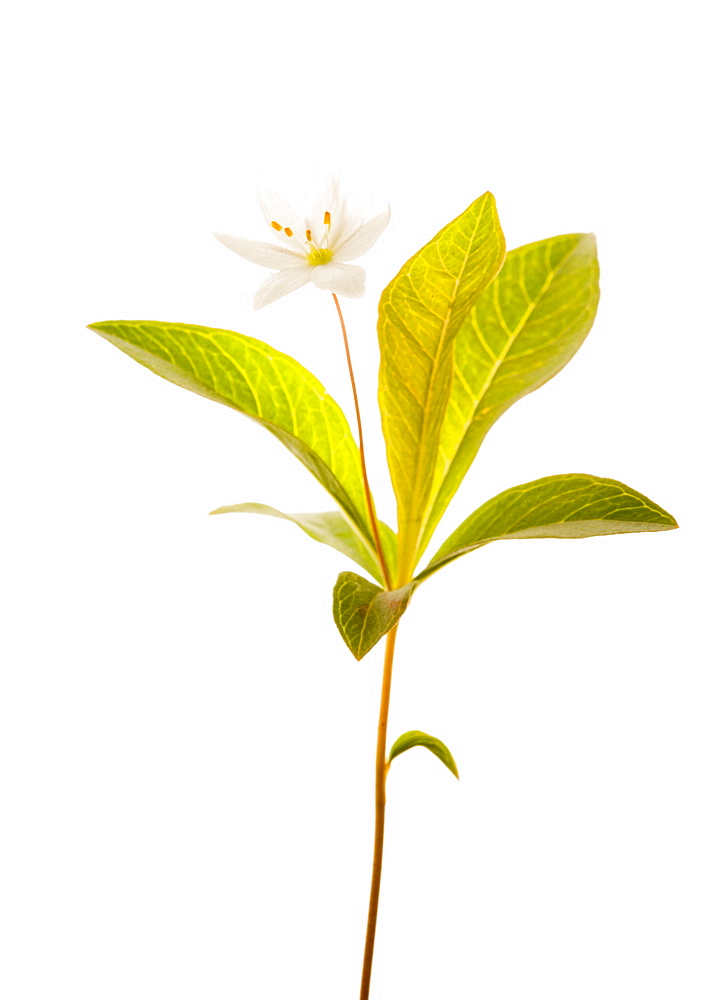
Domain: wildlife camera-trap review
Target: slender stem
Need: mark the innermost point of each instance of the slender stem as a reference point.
(381, 765)
(381, 772)
(366, 487)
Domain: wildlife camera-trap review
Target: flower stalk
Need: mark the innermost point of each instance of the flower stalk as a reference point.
(361, 446)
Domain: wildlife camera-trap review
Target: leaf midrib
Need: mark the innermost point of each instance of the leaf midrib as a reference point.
(431, 381)
(533, 303)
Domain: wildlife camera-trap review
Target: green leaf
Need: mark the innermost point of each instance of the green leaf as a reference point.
(364, 613)
(264, 384)
(420, 313)
(417, 739)
(521, 332)
(570, 506)
(330, 527)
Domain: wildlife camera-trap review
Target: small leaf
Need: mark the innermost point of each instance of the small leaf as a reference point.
(262, 383)
(330, 527)
(364, 613)
(518, 335)
(420, 313)
(417, 739)
(569, 506)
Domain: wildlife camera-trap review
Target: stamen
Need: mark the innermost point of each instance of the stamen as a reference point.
(308, 235)
(326, 218)
(276, 226)
(288, 232)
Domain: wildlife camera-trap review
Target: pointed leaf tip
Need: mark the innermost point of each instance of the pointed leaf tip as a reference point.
(416, 738)
(575, 505)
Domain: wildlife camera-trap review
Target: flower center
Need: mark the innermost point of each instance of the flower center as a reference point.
(317, 254)
(317, 257)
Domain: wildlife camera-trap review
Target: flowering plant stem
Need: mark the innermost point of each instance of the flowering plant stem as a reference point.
(381, 765)
(381, 773)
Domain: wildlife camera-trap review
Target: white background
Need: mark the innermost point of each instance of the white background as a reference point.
(186, 743)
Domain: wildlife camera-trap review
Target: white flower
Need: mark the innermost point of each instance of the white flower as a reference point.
(313, 249)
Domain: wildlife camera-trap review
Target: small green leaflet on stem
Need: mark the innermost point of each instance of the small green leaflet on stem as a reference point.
(415, 738)
(569, 506)
(364, 613)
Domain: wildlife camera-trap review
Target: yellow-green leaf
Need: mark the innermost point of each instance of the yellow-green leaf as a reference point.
(364, 613)
(420, 313)
(332, 528)
(264, 384)
(569, 506)
(521, 332)
(415, 738)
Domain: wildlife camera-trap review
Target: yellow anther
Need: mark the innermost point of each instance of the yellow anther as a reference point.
(276, 226)
(288, 232)
(326, 218)
(308, 235)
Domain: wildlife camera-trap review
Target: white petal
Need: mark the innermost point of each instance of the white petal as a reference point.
(349, 220)
(332, 199)
(362, 239)
(343, 279)
(265, 254)
(281, 284)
